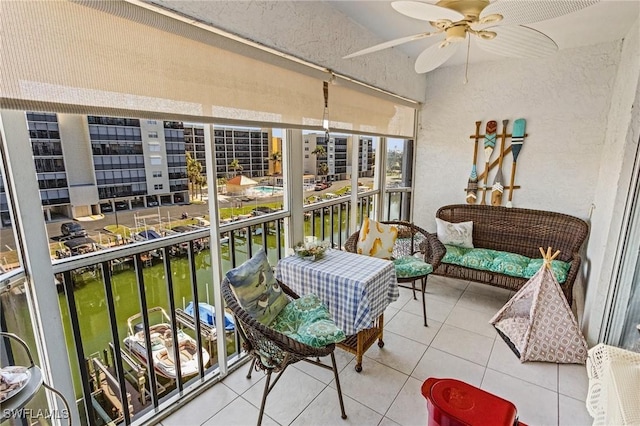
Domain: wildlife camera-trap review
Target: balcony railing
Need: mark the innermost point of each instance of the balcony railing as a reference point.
(118, 290)
(109, 298)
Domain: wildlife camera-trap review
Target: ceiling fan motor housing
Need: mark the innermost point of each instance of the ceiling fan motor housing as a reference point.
(456, 33)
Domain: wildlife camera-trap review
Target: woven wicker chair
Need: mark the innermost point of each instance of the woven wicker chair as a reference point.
(416, 240)
(273, 352)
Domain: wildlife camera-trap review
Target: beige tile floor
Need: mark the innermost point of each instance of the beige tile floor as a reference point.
(459, 343)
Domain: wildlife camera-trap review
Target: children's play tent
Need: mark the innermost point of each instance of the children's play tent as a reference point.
(538, 324)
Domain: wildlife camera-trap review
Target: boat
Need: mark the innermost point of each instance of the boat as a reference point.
(162, 347)
(208, 315)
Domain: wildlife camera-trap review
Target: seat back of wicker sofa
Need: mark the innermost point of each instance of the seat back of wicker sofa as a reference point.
(520, 231)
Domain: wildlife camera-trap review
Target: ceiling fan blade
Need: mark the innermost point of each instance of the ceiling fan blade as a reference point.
(519, 42)
(425, 11)
(516, 12)
(390, 43)
(435, 56)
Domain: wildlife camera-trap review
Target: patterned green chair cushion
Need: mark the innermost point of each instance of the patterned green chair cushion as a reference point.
(509, 264)
(479, 258)
(559, 268)
(308, 321)
(454, 254)
(409, 266)
(256, 288)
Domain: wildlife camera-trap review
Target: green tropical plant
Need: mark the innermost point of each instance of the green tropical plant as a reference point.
(276, 157)
(235, 165)
(201, 182)
(323, 169)
(319, 151)
(194, 172)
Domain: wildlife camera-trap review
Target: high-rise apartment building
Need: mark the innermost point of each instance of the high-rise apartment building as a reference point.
(122, 163)
(366, 157)
(194, 143)
(327, 159)
(246, 149)
(139, 162)
(85, 164)
(44, 135)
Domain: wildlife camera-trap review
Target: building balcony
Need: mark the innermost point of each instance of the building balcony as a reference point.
(591, 174)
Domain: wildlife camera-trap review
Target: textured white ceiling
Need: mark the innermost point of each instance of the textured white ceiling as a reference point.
(602, 22)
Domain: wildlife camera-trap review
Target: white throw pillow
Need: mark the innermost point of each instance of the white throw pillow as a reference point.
(455, 234)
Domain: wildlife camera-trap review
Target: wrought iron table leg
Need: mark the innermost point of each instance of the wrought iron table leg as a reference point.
(424, 303)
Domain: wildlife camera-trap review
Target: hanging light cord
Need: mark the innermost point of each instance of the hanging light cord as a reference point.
(466, 66)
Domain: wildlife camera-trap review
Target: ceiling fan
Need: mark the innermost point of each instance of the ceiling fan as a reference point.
(459, 19)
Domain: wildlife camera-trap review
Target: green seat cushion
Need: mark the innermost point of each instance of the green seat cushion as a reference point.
(454, 254)
(308, 321)
(502, 262)
(559, 269)
(509, 264)
(256, 288)
(410, 266)
(479, 258)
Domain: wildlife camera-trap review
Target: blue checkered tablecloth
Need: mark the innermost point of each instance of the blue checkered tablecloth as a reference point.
(355, 288)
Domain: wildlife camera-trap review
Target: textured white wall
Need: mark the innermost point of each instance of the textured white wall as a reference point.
(565, 100)
(314, 31)
(577, 158)
(612, 187)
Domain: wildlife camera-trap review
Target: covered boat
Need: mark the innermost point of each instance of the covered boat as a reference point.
(162, 347)
(208, 315)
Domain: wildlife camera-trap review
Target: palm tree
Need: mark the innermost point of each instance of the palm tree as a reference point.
(235, 165)
(201, 181)
(276, 157)
(194, 171)
(323, 169)
(320, 151)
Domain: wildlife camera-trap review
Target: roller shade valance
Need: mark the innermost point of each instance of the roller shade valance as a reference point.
(117, 58)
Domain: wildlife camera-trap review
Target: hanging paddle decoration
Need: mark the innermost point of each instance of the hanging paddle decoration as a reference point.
(498, 188)
(517, 140)
(472, 185)
(489, 144)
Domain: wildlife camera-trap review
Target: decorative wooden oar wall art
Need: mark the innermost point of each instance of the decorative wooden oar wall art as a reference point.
(489, 143)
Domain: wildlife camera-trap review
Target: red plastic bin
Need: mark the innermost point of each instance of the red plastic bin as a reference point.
(455, 403)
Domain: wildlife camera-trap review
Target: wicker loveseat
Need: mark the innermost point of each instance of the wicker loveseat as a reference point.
(518, 231)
